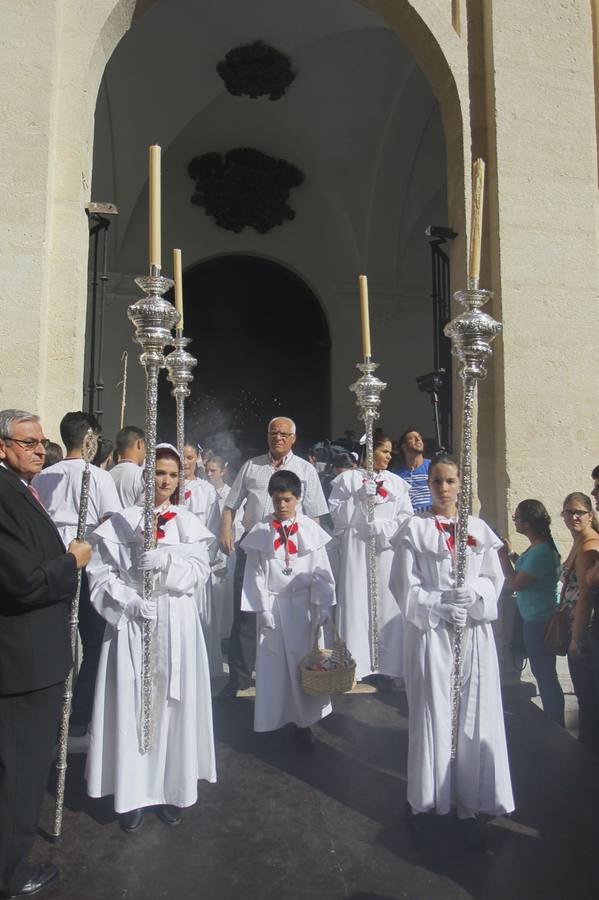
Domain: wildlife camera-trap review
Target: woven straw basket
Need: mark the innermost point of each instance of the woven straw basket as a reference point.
(332, 681)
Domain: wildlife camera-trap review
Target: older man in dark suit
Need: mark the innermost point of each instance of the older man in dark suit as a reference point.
(37, 580)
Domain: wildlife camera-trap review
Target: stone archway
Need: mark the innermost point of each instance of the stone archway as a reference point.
(44, 209)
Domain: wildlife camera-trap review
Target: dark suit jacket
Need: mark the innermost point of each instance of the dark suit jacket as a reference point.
(37, 581)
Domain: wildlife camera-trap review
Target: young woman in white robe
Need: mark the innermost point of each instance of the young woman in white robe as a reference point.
(183, 744)
(289, 583)
(348, 505)
(202, 500)
(422, 579)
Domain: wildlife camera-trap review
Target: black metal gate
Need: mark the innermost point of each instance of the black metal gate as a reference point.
(441, 296)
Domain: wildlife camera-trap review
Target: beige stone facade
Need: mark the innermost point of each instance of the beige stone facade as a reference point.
(515, 84)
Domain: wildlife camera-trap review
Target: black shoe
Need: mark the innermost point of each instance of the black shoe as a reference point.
(472, 831)
(170, 815)
(41, 877)
(418, 825)
(132, 820)
(229, 692)
(305, 739)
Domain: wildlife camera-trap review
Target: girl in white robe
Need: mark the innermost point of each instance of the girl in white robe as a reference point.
(183, 745)
(348, 505)
(201, 499)
(423, 581)
(289, 583)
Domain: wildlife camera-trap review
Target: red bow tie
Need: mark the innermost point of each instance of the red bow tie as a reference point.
(284, 532)
(449, 528)
(187, 495)
(161, 522)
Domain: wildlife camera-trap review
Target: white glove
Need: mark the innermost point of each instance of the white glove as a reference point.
(153, 561)
(455, 615)
(266, 621)
(464, 597)
(142, 609)
(318, 614)
(369, 489)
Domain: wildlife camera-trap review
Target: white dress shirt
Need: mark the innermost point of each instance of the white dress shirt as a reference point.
(59, 486)
(129, 480)
(251, 485)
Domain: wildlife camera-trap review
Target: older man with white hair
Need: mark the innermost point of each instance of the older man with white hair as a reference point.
(251, 487)
(38, 578)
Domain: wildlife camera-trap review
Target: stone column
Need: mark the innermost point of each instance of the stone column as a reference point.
(543, 243)
(53, 57)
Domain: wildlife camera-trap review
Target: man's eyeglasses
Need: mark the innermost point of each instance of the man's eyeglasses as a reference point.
(283, 434)
(516, 518)
(30, 444)
(576, 513)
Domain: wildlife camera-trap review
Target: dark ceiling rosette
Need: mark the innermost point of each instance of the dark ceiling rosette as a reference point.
(256, 70)
(244, 187)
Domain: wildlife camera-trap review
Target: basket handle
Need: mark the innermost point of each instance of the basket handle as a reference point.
(337, 636)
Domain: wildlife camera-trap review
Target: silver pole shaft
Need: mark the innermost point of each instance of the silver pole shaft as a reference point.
(63, 736)
(180, 401)
(464, 507)
(148, 544)
(371, 562)
(471, 334)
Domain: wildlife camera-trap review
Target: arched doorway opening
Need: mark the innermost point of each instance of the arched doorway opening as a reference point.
(263, 348)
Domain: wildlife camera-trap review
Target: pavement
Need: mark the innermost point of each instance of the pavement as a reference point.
(284, 824)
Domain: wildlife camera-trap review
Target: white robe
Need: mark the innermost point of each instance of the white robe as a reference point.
(479, 779)
(279, 696)
(349, 513)
(223, 571)
(183, 743)
(202, 500)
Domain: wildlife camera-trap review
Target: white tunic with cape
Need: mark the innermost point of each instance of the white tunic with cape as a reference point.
(349, 514)
(479, 779)
(279, 696)
(202, 500)
(183, 744)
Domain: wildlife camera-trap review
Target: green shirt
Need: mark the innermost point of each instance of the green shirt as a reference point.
(537, 602)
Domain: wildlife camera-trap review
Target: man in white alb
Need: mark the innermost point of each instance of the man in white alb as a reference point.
(251, 486)
(59, 487)
(128, 475)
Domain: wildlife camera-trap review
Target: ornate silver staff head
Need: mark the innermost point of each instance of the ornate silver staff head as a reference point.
(368, 391)
(180, 365)
(89, 448)
(153, 318)
(471, 333)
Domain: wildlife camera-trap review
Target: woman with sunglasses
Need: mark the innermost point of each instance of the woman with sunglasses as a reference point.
(534, 580)
(582, 524)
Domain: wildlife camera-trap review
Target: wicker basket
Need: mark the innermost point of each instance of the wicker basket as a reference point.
(328, 681)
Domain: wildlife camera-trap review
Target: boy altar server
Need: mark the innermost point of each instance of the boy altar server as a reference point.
(289, 583)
